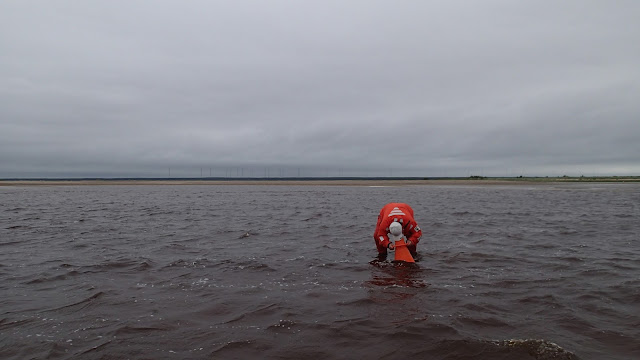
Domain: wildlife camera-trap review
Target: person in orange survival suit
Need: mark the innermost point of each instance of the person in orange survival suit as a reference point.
(396, 212)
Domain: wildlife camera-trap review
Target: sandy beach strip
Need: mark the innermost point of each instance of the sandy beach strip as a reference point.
(311, 182)
(319, 182)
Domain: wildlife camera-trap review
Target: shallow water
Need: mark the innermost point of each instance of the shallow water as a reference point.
(288, 272)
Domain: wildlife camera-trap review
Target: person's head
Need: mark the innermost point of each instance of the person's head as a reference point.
(395, 229)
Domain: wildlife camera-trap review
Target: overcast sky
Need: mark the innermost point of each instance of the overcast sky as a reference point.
(315, 88)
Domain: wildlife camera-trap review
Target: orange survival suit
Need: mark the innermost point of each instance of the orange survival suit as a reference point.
(396, 212)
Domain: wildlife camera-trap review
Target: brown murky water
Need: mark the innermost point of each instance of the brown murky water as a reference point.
(287, 272)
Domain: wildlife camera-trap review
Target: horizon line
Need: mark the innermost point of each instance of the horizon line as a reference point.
(304, 178)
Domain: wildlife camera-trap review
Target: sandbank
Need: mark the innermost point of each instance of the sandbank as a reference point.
(323, 182)
(313, 182)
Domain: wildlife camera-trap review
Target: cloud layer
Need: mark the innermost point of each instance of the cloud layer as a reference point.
(316, 88)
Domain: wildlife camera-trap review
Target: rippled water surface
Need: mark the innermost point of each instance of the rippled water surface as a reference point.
(288, 272)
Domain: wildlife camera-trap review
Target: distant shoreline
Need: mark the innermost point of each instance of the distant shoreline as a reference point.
(319, 181)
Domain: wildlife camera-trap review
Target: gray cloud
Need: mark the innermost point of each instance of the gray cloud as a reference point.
(366, 88)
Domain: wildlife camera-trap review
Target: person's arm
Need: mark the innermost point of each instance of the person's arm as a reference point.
(415, 233)
(381, 232)
(375, 232)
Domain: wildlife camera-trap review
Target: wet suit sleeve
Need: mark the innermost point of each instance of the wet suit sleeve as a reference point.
(414, 232)
(381, 231)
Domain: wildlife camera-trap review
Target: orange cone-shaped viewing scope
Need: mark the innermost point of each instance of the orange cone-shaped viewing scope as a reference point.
(402, 252)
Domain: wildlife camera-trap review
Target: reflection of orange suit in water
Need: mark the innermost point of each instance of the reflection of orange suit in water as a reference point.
(396, 212)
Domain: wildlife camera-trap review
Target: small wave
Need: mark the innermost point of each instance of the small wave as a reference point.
(624, 216)
(483, 322)
(196, 263)
(546, 299)
(248, 233)
(262, 310)
(282, 325)
(175, 246)
(358, 302)
(226, 265)
(7, 324)
(568, 232)
(45, 279)
(16, 227)
(494, 350)
(467, 213)
(541, 246)
(137, 330)
(15, 209)
(571, 259)
(124, 263)
(8, 243)
(539, 349)
(597, 273)
(313, 217)
(232, 346)
(145, 265)
(255, 266)
(56, 350)
(84, 302)
(94, 348)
